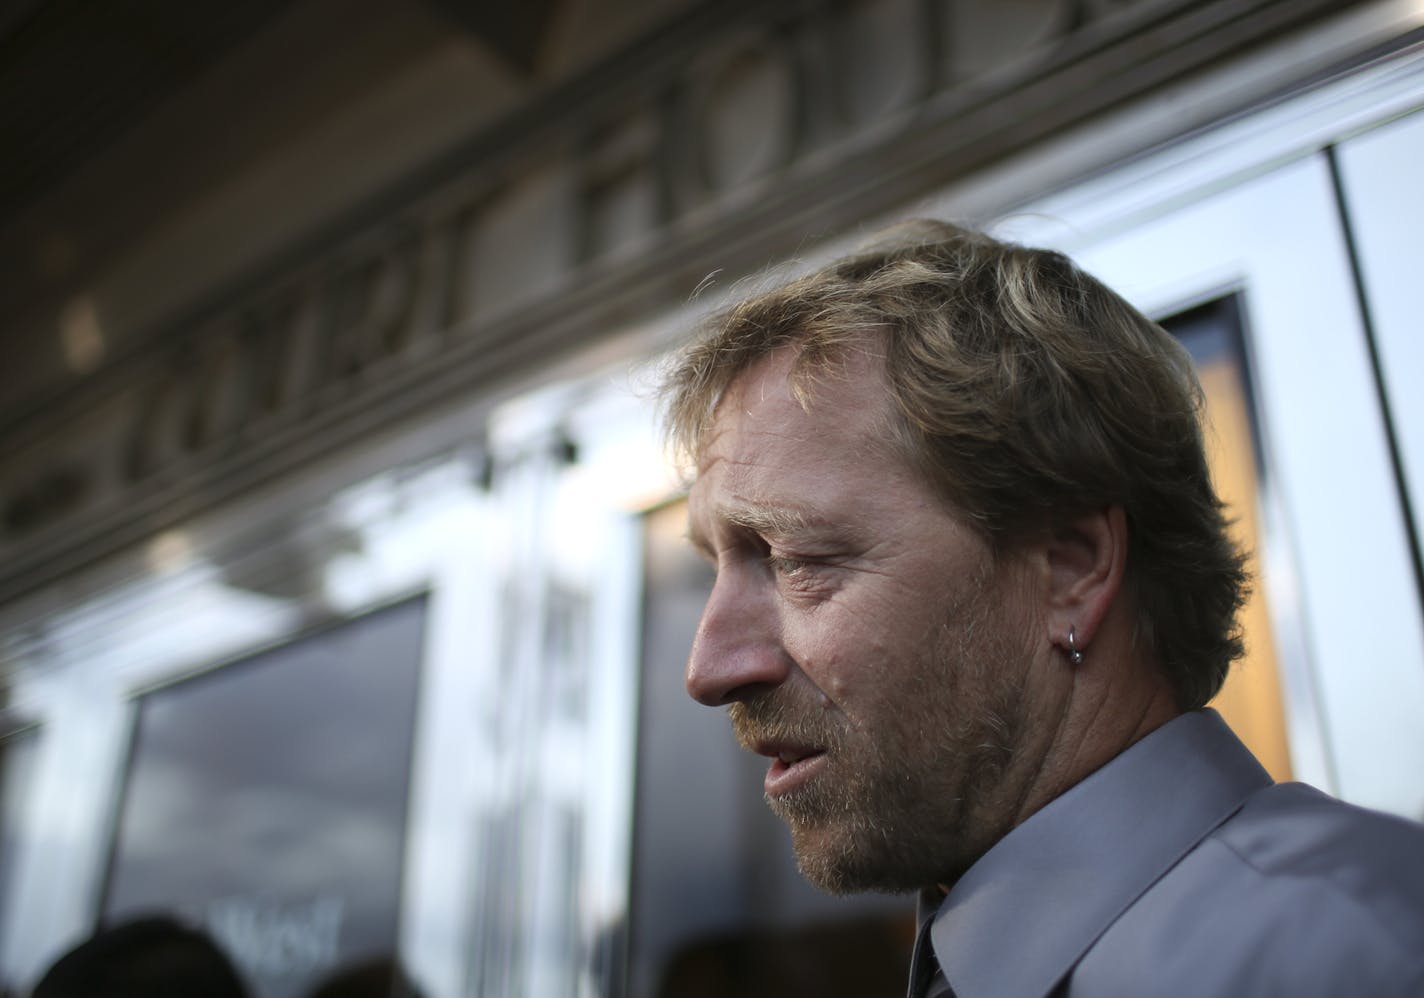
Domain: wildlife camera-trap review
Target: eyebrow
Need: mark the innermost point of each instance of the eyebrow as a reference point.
(762, 518)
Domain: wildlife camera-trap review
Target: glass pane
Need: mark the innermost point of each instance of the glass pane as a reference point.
(1251, 701)
(1379, 171)
(718, 907)
(18, 755)
(266, 801)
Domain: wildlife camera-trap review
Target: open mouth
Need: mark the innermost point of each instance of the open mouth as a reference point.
(791, 768)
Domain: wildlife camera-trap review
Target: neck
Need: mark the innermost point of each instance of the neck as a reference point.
(1111, 703)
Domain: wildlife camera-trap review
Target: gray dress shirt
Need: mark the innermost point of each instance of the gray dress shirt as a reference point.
(1179, 870)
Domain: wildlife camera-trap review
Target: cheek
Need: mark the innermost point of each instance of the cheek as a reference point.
(828, 652)
(854, 662)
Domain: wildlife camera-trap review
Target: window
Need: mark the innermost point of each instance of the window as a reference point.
(266, 801)
(1251, 701)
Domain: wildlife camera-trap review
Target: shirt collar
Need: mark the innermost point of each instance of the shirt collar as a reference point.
(1027, 911)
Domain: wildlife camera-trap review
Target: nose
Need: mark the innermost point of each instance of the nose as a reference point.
(737, 651)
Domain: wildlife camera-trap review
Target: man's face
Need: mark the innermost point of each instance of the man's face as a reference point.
(865, 638)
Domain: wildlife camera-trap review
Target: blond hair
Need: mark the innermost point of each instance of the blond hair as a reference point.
(1025, 392)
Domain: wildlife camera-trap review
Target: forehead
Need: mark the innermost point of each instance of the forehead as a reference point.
(843, 399)
(766, 447)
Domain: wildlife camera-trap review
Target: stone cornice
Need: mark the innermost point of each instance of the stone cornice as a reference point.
(721, 143)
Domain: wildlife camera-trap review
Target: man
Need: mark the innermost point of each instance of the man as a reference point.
(973, 591)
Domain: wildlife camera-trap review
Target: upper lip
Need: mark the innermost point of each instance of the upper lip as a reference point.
(787, 752)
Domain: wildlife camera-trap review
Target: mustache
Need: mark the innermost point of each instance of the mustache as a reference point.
(778, 716)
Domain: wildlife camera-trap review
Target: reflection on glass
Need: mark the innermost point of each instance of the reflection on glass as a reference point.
(1251, 701)
(266, 801)
(17, 768)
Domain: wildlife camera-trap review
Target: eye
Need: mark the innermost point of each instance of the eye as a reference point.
(787, 568)
(797, 574)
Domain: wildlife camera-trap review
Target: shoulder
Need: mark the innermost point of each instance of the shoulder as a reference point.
(1313, 819)
(1295, 840)
(1296, 894)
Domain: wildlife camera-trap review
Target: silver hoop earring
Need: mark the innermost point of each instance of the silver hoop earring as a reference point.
(1075, 656)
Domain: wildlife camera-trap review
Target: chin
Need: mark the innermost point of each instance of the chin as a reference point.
(842, 877)
(843, 861)
(858, 854)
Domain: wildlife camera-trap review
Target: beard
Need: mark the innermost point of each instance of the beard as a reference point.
(913, 791)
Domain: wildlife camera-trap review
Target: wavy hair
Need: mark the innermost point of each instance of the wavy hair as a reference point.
(1026, 392)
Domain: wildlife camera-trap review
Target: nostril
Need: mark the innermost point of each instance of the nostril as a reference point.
(709, 685)
(746, 669)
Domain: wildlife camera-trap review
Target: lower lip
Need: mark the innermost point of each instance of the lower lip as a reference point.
(784, 778)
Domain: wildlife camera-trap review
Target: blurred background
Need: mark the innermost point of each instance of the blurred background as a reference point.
(343, 597)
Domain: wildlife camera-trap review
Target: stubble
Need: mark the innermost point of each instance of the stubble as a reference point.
(911, 793)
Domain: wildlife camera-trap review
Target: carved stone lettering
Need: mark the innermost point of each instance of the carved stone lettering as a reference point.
(748, 114)
(52, 495)
(346, 320)
(523, 241)
(276, 346)
(368, 303)
(775, 109)
(218, 394)
(431, 259)
(624, 197)
(456, 234)
(815, 45)
(886, 58)
(203, 398)
(152, 436)
(985, 36)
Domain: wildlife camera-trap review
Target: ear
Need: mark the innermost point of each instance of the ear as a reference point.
(1085, 560)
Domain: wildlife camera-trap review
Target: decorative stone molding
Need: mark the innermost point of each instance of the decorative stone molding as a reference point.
(723, 142)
